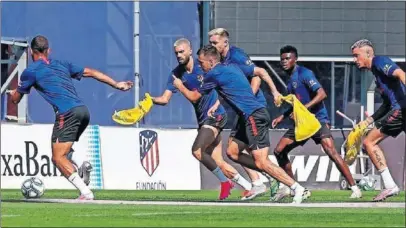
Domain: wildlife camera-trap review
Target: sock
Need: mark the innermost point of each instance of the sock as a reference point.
(79, 184)
(354, 188)
(242, 182)
(387, 178)
(267, 176)
(257, 182)
(282, 185)
(220, 175)
(294, 186)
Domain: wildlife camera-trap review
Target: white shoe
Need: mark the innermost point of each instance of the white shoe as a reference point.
(299, 192)
(356, 194)
(257, 190)
(281, 194)
(386, 193)
(88, 196)
(84, 171)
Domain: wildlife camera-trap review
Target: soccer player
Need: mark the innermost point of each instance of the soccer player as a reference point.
(390, 118)
(219, 38)
(234, 87)
(211, 117)
(53, 81)
(303, 83)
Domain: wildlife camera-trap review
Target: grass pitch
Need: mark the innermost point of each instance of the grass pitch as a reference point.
(28, 214)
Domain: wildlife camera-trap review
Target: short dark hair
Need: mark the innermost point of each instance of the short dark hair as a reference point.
(209, 50)
(289, 49)
(39, 44)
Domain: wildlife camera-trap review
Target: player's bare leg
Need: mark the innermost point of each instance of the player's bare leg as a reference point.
(262, 161)
(83, 167)
(285, 145)
(330, 150)
(229, 171)
(234, 153)
(205, 139)
(59, 158)
(254, 175)
(370, 143)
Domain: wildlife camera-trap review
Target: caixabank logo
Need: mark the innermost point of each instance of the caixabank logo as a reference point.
(30, 155)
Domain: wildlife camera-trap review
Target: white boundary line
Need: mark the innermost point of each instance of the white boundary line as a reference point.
(178, 203)
(150, 214)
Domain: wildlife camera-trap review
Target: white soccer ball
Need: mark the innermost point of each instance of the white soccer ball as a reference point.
(367, 183)
(32, 188)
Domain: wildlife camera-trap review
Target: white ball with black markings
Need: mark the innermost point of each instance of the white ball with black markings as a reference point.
(32, 188)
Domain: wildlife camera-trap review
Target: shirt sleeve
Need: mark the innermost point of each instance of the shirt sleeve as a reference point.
(311, 81)
(75, 71)
(209, 83)
(27, 80)
(385, 65)
(245, 64)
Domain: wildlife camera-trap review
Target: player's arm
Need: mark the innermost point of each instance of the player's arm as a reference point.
(255, 84)
(380, 112)
(320, 96)
(88, 72)
(390, 68)
(263, 74)
(27, 80)
(192, 96)
(15, 96)
(163, 99)
(311, 82)
(213, 108)
(400, 74)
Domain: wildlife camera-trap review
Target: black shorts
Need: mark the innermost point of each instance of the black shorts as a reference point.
(70, 125)
(218, 122)
(392, 124)
(323, 133)
(254, 132)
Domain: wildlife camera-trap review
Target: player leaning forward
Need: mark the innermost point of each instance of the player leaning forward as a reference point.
(53, 81)
(390, 118)
(234, 87)
(305, 86)
(211, 117)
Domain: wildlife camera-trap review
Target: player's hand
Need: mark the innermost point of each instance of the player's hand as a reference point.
(176, 82)
(124, 86)
(11, 92)
(277, 121)
(365, 123)
(276, 97)
(292, 116)
(211, 111)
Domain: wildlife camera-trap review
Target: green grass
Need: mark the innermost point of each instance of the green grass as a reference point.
(90, 215)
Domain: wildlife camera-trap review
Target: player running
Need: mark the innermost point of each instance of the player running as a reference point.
(53, 81)
(390, 118)
(233, 86)
(304, 85)
(207, 147)
(219, 38)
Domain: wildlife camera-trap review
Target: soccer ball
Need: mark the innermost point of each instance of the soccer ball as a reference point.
(367, 183)
(32, 188)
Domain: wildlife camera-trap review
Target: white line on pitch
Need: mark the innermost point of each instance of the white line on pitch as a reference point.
(177, 203)
(169, 213)
(147, 214)
(9, 216)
